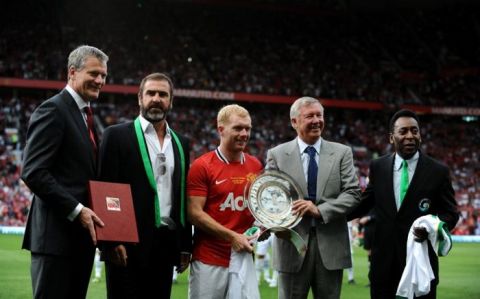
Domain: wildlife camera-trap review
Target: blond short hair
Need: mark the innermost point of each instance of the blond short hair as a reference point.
(223, 116)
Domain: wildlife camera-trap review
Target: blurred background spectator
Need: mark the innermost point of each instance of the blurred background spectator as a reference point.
(423, 53)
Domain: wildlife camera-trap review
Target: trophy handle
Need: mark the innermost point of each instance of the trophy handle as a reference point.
(294, 238)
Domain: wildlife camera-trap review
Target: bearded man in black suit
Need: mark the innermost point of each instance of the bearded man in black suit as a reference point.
(154, 159)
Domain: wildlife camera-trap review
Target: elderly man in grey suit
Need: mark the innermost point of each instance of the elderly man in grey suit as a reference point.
(325, 173)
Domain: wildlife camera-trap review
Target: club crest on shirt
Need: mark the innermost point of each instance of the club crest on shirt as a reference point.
(251, 177)
(424, 205)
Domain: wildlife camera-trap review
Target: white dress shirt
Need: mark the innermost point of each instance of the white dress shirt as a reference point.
(163, 180)
(80, 102)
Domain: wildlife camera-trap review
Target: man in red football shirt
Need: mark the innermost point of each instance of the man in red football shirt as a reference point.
(216, 207)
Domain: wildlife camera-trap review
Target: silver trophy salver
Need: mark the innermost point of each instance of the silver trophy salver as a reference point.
(270, 198)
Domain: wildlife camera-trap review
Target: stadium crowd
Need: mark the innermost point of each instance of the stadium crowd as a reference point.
(410, 56)
(14, 195)
(447, 138)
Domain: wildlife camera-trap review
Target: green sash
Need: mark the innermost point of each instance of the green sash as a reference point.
(151, 178)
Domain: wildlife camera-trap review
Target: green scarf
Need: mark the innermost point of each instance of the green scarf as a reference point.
(149, 171)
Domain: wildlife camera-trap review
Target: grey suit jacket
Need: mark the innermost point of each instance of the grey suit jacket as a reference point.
(338, 193)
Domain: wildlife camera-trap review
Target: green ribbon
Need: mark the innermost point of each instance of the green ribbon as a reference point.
(151, 178)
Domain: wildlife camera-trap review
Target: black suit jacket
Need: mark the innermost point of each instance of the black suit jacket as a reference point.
(430, 184)
(121, 161)
(58, 162)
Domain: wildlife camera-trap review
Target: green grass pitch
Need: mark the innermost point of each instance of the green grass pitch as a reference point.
(459, 275)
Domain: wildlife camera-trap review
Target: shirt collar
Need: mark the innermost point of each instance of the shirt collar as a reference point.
(81, 103)
(146, 125)
(302, 145)
(224, 159)
(399, 160)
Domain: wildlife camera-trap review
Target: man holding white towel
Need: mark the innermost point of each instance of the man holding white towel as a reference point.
(404, 186)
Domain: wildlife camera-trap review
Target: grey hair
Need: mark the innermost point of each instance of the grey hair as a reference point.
(300, 102)
(77, 57)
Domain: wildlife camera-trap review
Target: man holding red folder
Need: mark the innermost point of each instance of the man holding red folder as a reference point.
(154, 160)
(59, 160)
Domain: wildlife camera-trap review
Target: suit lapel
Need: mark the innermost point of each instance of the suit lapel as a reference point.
(294, 165)
(386, 175)
(76, 116)
(133, 138)
(325, 163)
(177, 168)
(420, 177)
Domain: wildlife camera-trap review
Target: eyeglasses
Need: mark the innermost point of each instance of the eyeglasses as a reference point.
(161, 163)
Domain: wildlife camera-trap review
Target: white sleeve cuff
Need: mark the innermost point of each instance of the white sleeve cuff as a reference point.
(75, 212)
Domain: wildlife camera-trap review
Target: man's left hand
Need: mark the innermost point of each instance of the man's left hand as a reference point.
(88, 219)
(306, 207)
(184, 262)
(420, 234)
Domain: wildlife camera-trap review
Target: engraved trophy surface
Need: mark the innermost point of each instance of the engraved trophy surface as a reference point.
(270, 199)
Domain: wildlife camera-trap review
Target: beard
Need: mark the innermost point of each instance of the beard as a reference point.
(154, 114)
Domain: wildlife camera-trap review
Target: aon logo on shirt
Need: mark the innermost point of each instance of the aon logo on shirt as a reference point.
(233, 203)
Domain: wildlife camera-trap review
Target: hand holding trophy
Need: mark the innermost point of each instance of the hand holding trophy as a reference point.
(270, 198)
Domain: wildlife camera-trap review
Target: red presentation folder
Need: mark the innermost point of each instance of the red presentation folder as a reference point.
(112, 202)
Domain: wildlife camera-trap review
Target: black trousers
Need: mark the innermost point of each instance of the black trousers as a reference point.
(152, 279)
(61, 277)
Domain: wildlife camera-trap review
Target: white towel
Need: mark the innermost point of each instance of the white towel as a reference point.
(418, 272)
(242, 277)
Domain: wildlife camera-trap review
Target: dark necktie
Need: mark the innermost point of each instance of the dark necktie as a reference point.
(312, 173)
(91, 134)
